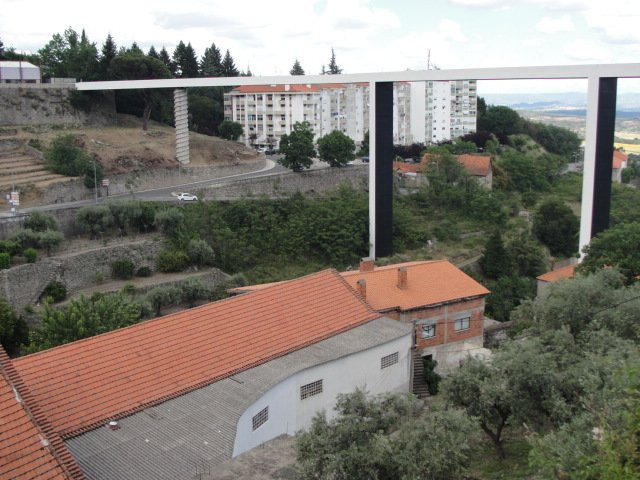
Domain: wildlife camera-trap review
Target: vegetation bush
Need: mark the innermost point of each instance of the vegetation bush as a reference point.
(132, 216)
(163, 296)
(25, 238)
(50, 240)
(14, 331)
(40, 222)
(55, 290)
(31, 255)
(194, 290)
(557, 227)
(200, 252)
(9, 246)
(230, 130)
(123, 268)
(96, 220)
(172, 261)
(5, 260)
(144, 272)
(336, 148)
(64, 156)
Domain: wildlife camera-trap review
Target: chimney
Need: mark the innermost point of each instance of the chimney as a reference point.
(362, 287)
(402, 277)
(367, 264)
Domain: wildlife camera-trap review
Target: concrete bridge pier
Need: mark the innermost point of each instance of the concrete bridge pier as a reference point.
(181, 113)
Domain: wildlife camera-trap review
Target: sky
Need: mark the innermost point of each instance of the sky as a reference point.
(366, 35)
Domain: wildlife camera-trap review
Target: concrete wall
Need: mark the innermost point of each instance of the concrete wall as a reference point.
(23, 285)
(288, 414)
(46, 104)
(311, 181)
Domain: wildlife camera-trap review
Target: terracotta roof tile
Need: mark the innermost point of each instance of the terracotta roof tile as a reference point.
(558, 274)
(428, 283)
(618, 158)
(86, 383)
(477, 165)
(27, 449)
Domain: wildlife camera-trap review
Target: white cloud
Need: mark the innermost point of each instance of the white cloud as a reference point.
(532, 42)
(586, 51)
(554, 25)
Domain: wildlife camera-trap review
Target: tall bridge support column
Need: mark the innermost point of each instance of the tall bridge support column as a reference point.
(380, 168)
(598, 152)
(181, 115)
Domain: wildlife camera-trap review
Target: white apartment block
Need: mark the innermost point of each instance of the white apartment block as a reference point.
(450, 109)
(267, 112)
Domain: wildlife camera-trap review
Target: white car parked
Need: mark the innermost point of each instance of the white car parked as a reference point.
(187, 197)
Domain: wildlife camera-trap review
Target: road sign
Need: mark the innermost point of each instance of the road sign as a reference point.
(105, 182)
(14, 198)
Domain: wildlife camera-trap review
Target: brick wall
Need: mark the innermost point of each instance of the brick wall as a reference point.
(444, 317)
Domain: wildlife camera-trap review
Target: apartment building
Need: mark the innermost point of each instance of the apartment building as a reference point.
(450, 109)
(269, 111)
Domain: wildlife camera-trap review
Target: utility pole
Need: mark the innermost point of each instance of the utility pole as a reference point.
(95, 181)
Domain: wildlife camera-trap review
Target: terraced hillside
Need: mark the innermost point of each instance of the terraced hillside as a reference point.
(23, 167)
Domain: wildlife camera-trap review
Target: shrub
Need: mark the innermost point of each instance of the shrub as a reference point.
(163, 296)
(144, 272)
(10, 247)
(94, 220)
(5, 260)
(39, 222)
(50, 240)
(123, 268)
(172, 261)
(31, 255)
(170, 221)
(200, 252)
(35, 143)
(25, 238)
(194, 290)
(55, 290)
(128, 288)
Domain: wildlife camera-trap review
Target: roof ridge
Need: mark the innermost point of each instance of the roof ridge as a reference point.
(56, 446)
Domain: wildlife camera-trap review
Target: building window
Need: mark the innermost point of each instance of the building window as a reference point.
(260, 418)
(461, 324)
(389, 360)
(428, 330)
(311, 389)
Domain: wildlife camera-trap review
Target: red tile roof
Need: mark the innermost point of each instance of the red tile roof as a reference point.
(27, 450)
(477, 165)
(558, 274)
(86, 383)
(428, 283)
(618, 158)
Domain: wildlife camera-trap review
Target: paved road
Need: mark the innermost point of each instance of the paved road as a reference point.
(166, 193)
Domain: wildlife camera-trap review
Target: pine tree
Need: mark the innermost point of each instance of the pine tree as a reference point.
(297, 68)
(109, 52)
(228, 66)
(1, 50)
(153, 53)
(496, 261)
(135, 49)
(184, 58)
(333, 66)
(211, 63)
(166, 59)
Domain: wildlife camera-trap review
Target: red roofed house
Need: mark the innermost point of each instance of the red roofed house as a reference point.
(478, 166)
(563, 273)
(444, 306)
(169, 397)
(620, 161)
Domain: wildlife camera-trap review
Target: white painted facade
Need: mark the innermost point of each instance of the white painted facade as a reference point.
(266, 116)
(450, 109)
(19, 72)
(287, 413)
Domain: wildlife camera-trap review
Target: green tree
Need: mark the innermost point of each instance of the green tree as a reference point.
(14, 331)
(364, 147)
(557, 227)
(163, 296)
(82, 318)
(134, 66)
(39, 222)
(336, 149)
(228, 66)
(194, 290)
(501, 121)
(69, 55)
(1, 50)
(166, 60)
(95, 220)
(230, 130)
(296, 69)
(617, 247)
(205, 114)
(507, 292)
(108, 53)
(185, 61)
(211, 62)
(496, 261)
(525, 174)
(200, 252)
(297, 147)
(333, 66)
(50, 240)
(527, 255)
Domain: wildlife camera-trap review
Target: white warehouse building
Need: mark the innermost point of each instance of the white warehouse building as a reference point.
(19, 72)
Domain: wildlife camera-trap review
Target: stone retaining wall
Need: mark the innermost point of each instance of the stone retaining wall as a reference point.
(47, 104)
(23, 285)
(310, 181)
